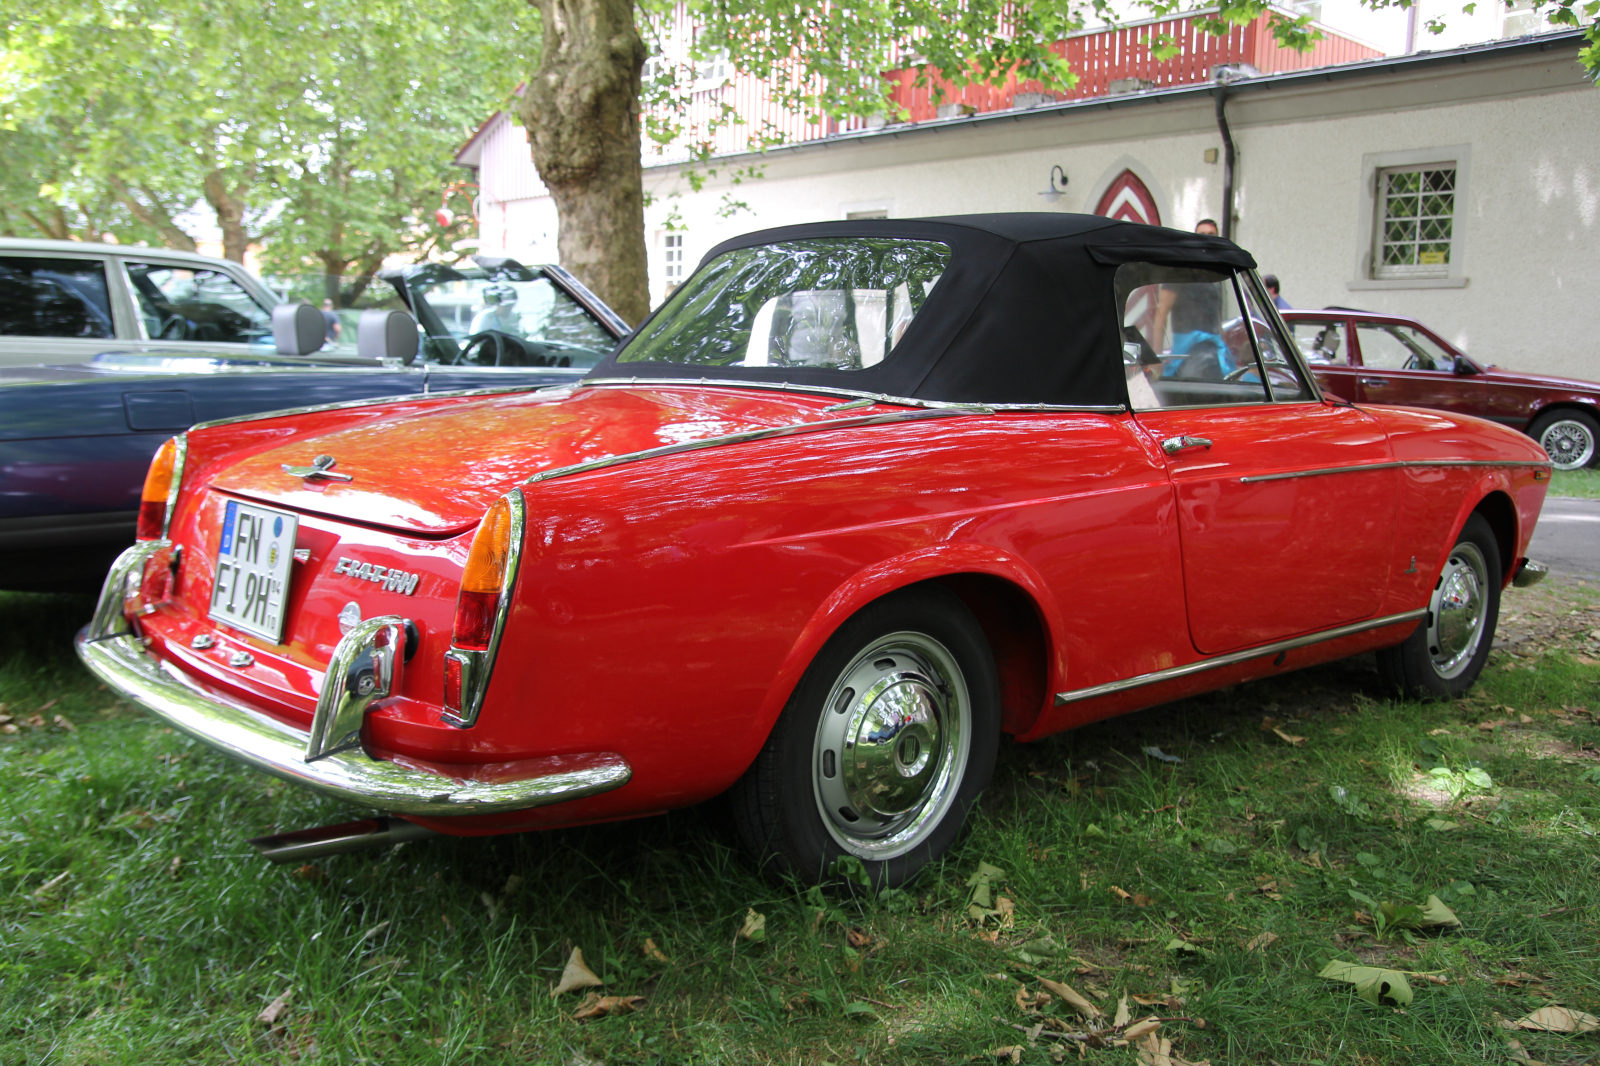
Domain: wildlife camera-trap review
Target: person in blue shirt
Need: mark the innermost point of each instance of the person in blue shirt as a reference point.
(1271, 282)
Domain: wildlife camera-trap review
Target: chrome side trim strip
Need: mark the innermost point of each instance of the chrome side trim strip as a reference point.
(1365, 467)
(754, 434)
(1234, 658)
(828, 390)
(347, 405)
(233, 729)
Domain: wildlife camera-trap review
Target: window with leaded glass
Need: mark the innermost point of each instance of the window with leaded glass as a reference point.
(1416, 222)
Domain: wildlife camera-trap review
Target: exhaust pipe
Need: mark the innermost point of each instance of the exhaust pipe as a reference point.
(306, 844)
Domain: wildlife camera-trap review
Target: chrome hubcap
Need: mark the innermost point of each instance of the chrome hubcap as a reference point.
(1459, 611)
(1569, 445)
(891, 745)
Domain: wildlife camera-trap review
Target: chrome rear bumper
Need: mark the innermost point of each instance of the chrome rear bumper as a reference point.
(121, 660)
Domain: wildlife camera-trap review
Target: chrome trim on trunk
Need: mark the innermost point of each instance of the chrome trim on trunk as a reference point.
(180, 455)
(127, 667)
(768, 433)
(1234, 658)
(828, 390)
(477, 665)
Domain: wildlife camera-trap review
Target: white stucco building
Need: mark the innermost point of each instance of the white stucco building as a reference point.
(1498, 250)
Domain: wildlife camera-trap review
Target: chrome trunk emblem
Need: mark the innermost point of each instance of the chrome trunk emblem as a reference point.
(321, 469)
(392, 579)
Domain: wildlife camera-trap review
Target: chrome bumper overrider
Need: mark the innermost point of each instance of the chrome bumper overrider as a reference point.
(1529, 573)
(121, 660)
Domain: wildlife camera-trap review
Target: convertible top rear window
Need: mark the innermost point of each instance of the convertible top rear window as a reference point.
(838, 303)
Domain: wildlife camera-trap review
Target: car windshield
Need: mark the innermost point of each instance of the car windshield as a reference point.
(840, 303)
(549, 327)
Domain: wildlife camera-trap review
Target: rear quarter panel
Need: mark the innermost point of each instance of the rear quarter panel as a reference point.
(666, 609)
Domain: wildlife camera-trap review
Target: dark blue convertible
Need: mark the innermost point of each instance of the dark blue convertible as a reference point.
(75, 440)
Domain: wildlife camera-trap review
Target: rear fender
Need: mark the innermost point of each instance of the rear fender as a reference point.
(885, 577)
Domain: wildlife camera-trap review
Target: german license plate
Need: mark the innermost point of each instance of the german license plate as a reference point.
(254, 557)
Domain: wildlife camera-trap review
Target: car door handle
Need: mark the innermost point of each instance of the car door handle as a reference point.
(1376, 383)
(1174, 445)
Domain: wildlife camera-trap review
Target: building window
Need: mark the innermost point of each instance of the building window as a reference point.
(672, 247)
(710, 74)
(1416, 222)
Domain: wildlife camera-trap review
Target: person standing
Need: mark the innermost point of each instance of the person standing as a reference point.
(1206, 227)
(1271, 282)
(330, 321)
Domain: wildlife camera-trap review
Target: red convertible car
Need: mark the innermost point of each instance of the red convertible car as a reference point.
(1369, 358)
(862, 499)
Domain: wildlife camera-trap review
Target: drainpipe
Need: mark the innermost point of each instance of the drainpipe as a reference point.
(1227, 153)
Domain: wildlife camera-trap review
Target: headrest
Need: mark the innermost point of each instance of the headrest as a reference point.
(297, 329)
(387, 335)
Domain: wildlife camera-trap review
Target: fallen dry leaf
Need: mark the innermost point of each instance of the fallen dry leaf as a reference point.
(177, 864)
(1555, 1020)
(1011, 1053)
(1261, 940)
(653, 953)
(64, 723)
(1141, 1028)
(1296, 741)
(308, 872)
(1516, 1053)
(576, 975)
(269, 1013)
(1117, 890)
(755, 925)
(595, 1005)
(51, 885)
(1077, 1002)
(1440, 732)
(1028, 1002)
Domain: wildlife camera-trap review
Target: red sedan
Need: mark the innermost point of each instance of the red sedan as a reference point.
(1370, 358)
(860, 501)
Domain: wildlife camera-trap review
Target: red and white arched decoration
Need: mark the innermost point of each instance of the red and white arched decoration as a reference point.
(1128, 200)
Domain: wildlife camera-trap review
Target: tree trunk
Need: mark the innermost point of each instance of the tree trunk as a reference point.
(230, 208)
(581, 110)
(152, 214)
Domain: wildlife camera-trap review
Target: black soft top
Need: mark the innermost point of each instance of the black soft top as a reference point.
(1025, 314)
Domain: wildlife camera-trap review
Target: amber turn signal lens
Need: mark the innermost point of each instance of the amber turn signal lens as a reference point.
(157, 486)
(483, 578)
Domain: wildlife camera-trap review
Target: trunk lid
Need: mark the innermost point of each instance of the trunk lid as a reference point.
(436, 472)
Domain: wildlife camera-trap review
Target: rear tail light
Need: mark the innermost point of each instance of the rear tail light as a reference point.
(161, 490)
(487, 582)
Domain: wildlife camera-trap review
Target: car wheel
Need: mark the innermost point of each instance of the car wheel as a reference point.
(1444, 656)
(883, 748)
(1568, 437)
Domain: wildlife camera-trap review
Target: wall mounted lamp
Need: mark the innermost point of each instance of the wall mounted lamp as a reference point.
(1058, 185)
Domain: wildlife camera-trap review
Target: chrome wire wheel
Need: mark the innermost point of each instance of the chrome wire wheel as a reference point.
(891, 745)
(1569, 442)
(1458, 611)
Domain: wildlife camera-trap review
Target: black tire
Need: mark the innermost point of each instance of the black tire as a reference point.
(1570, 437)
(926, 674)
(1444, 656)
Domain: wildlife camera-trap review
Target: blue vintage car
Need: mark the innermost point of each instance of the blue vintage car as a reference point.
(77, 438)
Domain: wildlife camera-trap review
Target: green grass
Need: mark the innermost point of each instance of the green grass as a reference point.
(445, 952)
(1584, 483)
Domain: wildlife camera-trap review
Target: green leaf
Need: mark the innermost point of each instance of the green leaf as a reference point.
(1094, 832)
(1440, 825)
(1378, 986)
(858, 1007)
(982, 884)
(1434, 912)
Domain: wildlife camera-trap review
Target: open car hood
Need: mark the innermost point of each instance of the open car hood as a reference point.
(436, 472)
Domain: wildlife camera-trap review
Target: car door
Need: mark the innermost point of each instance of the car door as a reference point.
(1403, 365)
(184, 306)
(1325, 347)
(1286, 503)
(54, 308)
